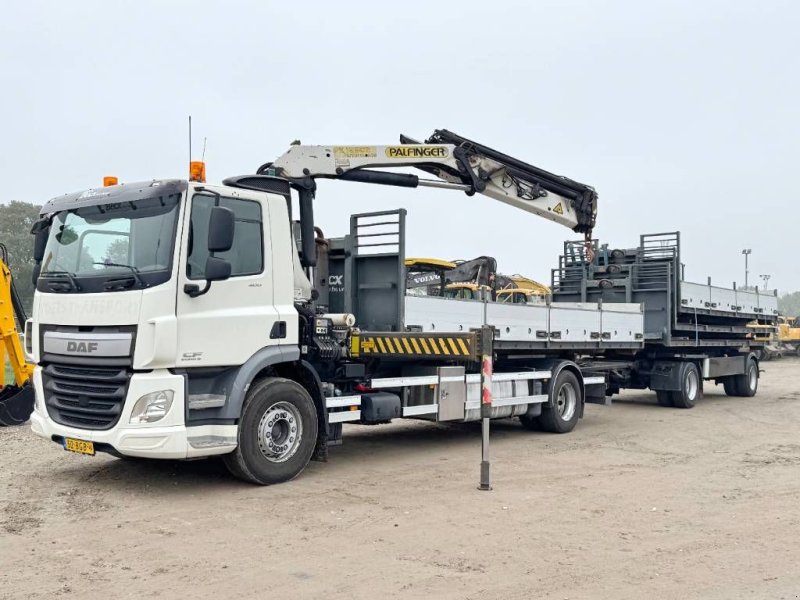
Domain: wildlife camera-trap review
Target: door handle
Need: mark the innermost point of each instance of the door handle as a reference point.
(278, 330)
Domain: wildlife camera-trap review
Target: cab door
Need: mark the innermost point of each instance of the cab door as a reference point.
(235, 317)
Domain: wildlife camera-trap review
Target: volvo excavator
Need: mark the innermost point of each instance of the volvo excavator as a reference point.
(470, 280)
(16, 396)
(433, 277)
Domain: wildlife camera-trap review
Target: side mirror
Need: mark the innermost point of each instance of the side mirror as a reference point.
(41, 231)
(40, 243)
(220, 230)
(37, 268)
(217, 269)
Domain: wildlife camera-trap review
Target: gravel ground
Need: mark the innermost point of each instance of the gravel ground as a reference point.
(639, 501)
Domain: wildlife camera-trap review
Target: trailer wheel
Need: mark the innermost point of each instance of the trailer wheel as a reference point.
(277, 432)
(664, 398)
(731, 389)
(746, 385)
(691, 387)
(565, 393)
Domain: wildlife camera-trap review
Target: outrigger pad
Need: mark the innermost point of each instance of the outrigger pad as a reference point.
(16, 404)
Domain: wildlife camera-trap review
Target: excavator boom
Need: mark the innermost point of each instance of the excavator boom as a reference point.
(457, 163)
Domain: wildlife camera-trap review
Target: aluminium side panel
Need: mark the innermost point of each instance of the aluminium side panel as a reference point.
(518, 322)
(722, 299)
(748, 301)
(622, 323)
(768, 303)
(574, 322)
(694, 295)
(442, 314)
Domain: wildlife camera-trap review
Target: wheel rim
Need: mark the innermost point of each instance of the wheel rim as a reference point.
(691, 384)
(752, 377)
(279, 432)
(566, 401)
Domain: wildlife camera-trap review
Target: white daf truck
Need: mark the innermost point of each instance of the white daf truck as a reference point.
(175, 319)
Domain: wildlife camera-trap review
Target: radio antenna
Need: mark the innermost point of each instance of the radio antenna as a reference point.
(190, 138)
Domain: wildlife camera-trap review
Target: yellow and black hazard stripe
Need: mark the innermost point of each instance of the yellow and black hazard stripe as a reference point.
(414, 345)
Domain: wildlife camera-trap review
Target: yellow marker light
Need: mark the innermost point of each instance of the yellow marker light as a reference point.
(109, 180)
(197, 171)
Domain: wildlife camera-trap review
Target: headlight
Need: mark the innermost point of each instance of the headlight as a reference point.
(152, 407)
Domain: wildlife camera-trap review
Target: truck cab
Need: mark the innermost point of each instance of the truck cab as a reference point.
(149, 292)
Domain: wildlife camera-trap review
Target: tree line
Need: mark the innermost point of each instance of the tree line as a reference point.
(16, 220)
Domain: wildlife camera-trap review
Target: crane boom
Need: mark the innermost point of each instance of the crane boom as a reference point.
(457, 163)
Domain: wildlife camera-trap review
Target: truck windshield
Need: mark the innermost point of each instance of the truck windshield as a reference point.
(110, 247)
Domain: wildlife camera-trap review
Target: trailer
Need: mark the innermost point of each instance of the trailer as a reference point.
(178, 319)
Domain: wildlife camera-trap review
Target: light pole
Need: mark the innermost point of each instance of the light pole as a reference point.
(746, 253)
(765, 279)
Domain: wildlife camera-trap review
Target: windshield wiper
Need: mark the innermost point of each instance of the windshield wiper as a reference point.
(63, 274)
(133, 269)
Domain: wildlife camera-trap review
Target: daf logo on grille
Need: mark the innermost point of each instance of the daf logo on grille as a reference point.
(82, 347)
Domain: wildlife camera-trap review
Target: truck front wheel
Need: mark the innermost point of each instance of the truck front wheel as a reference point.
(277, 432)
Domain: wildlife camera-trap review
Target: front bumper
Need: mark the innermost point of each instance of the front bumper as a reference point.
(168, 438)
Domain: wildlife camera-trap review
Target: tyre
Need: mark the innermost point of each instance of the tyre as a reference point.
(530, 423)
(565, 393)
(731, 389)
(746, 385)
(664, 398)
(277, 432)
(691, 386)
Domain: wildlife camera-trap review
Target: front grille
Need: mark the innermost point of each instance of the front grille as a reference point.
(85, 397)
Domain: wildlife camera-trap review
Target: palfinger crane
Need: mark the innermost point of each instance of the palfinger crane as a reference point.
(457, 162)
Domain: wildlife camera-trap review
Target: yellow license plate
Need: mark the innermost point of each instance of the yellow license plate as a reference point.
(79, 446)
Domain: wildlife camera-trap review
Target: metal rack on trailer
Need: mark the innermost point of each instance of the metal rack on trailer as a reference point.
(692, 332)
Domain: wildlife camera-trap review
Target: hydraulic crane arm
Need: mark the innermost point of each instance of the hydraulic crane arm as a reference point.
(458, 163)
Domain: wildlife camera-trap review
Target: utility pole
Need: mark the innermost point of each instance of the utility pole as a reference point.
(765, 279)
(746, 253)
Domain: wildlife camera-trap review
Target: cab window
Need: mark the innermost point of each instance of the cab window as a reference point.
(247, 253)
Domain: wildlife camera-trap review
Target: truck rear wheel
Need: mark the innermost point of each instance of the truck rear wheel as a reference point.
(691, 387)
(562, 413)
(277, 432)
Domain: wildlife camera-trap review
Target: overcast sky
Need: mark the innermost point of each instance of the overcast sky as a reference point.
(682, 114)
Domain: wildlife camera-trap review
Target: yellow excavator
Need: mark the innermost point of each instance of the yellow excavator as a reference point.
(16, 392)
(523, 291)
(475, 279)
(789, 333)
